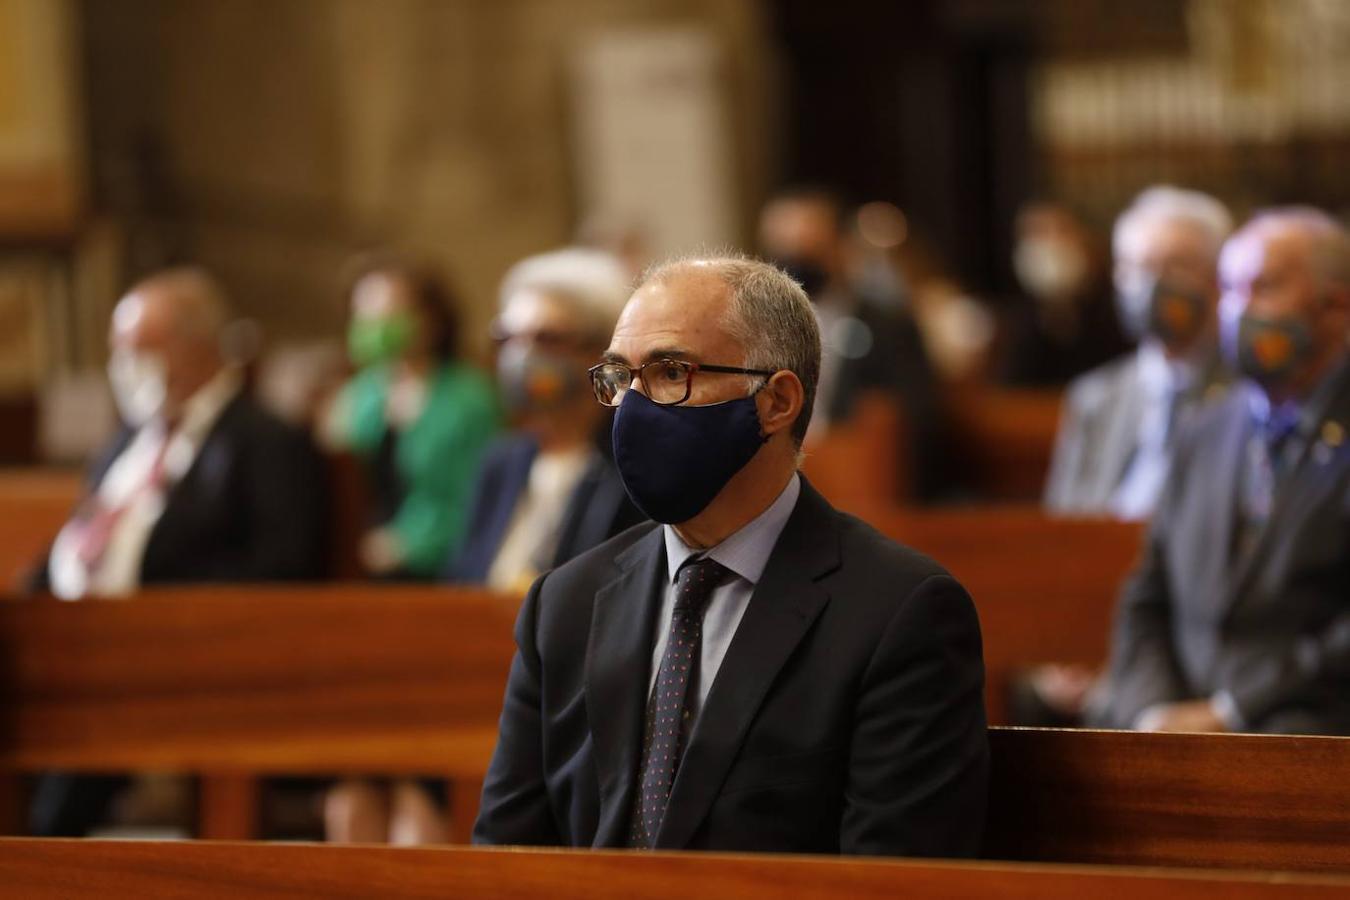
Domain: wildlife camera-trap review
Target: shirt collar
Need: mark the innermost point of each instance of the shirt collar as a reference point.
(1307, 412)
(745, 552)
(1161, 376)
(203, 408)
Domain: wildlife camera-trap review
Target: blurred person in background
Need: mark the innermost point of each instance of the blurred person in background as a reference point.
(199, 485)
(1065, 324)
(870, 343)
(550, 490)
(1119, 420)
(418, 415)
(1236, 619)
(545, 493)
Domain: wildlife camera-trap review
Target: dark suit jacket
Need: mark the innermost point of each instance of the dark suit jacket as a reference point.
(251, 507)
(1271, 626)
(846, 717)
(598, 509)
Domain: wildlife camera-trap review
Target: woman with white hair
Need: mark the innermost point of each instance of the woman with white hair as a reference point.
(544, 493)
(549, 490)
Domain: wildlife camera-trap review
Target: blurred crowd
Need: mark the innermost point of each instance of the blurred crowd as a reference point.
(1206, 389)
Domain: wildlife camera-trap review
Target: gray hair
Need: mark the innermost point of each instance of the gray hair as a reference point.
(593, 281)
(1329, 242)
(769, 315)
(1165, 203)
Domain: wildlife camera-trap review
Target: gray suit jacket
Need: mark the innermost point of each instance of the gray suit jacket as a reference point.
(1270, 624)
(1099, 431)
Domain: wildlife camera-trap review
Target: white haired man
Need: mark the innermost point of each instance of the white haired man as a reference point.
(758, 672)
(1115, 437)
(1236, 619)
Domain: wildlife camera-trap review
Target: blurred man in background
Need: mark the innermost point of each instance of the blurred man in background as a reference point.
(199, 485)
(1064, 325)
(1115, 436)
(868, 345)
(1236, 619)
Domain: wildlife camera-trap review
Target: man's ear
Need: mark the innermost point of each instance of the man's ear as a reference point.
(782, 404)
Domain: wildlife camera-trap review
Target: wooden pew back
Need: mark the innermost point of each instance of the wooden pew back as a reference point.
(1238, 801)
(408, 681)
(175, 675)
(34, 504)
(52, 869)
(1045, 587)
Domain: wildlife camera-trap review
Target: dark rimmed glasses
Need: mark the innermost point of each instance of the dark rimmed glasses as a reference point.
(667, 382)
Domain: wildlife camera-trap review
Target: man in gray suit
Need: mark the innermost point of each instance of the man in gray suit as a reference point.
(1238, 617)
(1115, 437)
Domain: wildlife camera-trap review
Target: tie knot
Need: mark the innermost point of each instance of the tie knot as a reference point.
(695, 583)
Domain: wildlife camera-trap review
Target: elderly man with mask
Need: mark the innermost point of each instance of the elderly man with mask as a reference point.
(758, 671)
(1119, 420)
(199, 485)
(1237, 617)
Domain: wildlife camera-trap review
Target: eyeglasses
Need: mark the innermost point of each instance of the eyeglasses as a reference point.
(668, 382)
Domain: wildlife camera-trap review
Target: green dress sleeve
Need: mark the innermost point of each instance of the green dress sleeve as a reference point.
(361, 402)
(438, 459)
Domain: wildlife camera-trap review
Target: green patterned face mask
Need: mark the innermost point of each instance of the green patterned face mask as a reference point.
(374, 341)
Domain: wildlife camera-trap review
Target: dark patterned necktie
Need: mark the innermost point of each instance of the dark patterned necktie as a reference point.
(668, 707)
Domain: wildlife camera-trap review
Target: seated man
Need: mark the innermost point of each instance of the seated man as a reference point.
(199, 485)
(1115, 437)
(760, 671)
(1237, 616)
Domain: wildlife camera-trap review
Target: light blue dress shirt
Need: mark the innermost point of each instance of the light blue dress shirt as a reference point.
(745, 553)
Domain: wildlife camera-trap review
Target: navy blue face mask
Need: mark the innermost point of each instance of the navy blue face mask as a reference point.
(675, 459)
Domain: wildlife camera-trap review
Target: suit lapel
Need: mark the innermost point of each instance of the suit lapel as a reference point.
(618, 667)
(782, 610)
(1314, 474)
(1120, 439)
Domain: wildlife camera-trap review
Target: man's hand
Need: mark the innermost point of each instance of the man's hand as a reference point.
(1192, 715)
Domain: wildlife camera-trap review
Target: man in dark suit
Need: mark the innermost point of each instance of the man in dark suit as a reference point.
(199, 485)
(1237, 617)
(870, 343)
(760, 672)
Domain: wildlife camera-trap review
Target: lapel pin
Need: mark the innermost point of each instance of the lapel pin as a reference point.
(1333, 434)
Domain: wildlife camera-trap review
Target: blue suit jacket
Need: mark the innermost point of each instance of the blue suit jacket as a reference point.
(598, 509)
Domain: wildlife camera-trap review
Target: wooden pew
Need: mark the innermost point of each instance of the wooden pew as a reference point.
(234, 683)
(859, 462)
(34, 504)
(59, 869)
(1236, 801)
(1045, 587)
(1004, 438)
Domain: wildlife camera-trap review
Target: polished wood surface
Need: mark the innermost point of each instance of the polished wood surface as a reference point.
(1045, 587)
(238, 682)
(858, 463)
(1240, 801)
(1004, 438)
(34, 504)
(61, 869)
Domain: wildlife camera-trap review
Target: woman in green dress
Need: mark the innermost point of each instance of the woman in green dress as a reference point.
(416, 414)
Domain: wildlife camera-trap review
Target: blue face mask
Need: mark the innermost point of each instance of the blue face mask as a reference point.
(675, 459)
